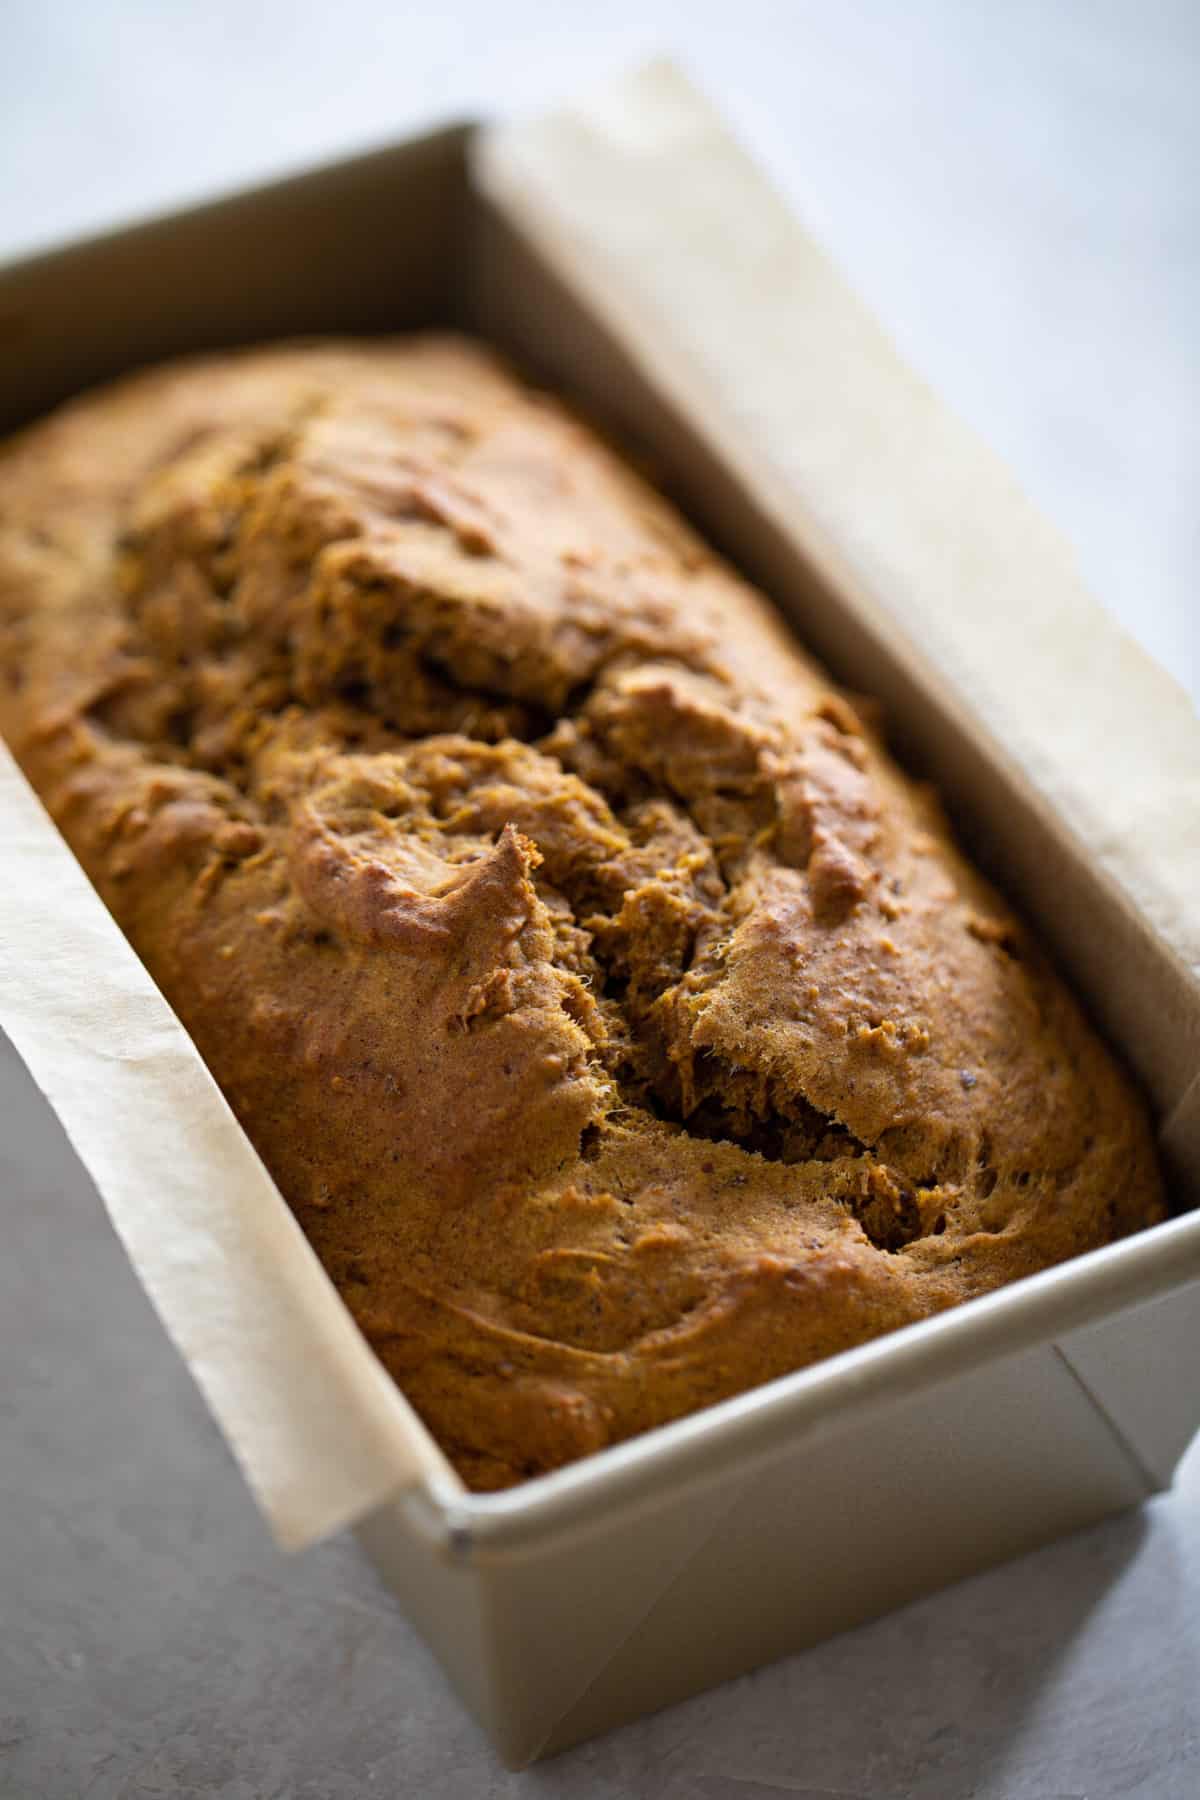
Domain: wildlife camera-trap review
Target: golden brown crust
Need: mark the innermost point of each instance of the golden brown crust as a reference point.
(622, 1026)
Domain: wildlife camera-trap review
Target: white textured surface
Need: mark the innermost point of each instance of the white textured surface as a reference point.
(1013, 188)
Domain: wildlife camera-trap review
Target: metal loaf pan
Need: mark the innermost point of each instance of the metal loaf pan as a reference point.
(761, 1525)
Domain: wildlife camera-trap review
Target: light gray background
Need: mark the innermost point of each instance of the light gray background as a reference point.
(1015, 187)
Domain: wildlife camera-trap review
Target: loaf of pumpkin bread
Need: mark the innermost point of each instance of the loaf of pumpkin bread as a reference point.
(622, 1026)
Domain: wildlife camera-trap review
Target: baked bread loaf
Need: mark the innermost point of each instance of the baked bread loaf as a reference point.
(623, 1027)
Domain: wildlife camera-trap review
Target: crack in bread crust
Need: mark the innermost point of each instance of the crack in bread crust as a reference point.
(622, 1026)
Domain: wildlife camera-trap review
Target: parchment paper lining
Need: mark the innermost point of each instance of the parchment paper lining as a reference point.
(668, 231)
(321, 1433)
(641, 202)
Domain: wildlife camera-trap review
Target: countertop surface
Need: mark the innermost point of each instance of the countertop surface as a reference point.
(1013, 188)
